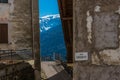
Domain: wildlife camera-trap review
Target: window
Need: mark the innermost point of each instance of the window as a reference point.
(3, 1)
(3, 33)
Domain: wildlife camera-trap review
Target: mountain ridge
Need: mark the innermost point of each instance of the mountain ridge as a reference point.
(52, 38)
(49, 21)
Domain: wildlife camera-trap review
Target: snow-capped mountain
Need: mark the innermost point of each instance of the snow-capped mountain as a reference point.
(51, 37)
(49, 21)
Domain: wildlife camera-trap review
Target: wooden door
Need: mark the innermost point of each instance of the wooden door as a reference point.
(3, 33)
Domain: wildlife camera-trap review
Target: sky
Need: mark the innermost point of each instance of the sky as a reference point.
(48, 7)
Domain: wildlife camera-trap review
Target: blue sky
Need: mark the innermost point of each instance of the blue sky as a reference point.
(47, 7)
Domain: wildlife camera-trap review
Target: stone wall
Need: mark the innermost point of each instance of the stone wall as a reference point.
(97, 31)
(17, 14)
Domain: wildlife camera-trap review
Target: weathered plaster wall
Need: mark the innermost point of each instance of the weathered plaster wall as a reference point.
(17, 14)
(97, 31)
(4, 17)
(98, 73)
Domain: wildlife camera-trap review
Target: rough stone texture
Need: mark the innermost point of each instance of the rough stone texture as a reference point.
(105, 29)
(104, 49)
(17, 14)
(98, 73)
(21, 16)
(111, 56)
(21, 21)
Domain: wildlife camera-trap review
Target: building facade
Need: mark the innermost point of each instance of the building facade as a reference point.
(19, 28)
(96, 39)
(15, 24)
